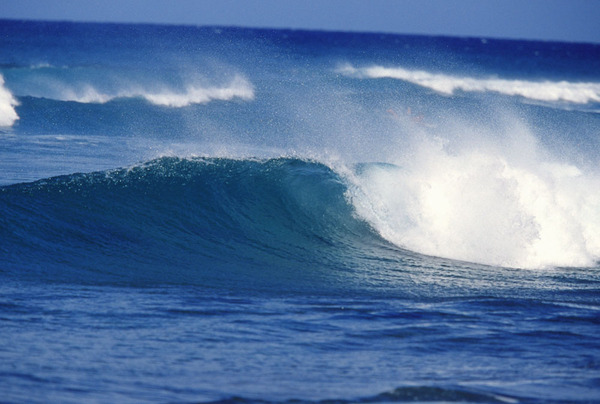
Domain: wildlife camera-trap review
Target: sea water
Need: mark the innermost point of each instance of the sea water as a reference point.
(208, 214)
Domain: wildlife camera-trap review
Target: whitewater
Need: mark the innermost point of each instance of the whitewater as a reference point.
(231, 215)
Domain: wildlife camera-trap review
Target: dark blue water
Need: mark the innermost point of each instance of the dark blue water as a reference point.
(255, 216)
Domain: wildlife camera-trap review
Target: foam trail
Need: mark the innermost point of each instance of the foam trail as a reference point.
(239, 87)
(550, 91)
(504, 207)
(8, 115)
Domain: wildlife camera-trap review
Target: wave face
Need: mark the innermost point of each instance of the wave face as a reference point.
(195, 216)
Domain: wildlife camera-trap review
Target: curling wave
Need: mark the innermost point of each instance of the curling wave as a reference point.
(175, 219)
(210, 213)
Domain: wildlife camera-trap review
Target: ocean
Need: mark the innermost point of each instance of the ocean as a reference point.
(230, 215)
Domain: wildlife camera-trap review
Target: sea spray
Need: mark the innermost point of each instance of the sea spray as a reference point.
(8, 115)
(494, 200)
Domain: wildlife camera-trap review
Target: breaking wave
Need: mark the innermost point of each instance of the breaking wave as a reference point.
(8, 115)
(483, 205)
(239, 87)
(287, 213)
(550, 91)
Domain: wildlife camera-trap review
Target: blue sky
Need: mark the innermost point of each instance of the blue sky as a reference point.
(564, 20)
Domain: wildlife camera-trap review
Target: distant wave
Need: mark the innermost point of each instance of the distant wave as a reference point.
(43, 66)
(8, 115)
(239, 87)
(580, 93)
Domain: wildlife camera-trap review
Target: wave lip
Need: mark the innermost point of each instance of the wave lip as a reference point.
(550, 91)
(8, 115)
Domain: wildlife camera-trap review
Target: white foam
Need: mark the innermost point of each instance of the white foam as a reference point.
(506, 206)
(239, 87)
(550, 91)
(8, 114)
(86, 94)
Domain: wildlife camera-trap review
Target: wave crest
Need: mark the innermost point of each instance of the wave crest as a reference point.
(238, 87)
(550, 91)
